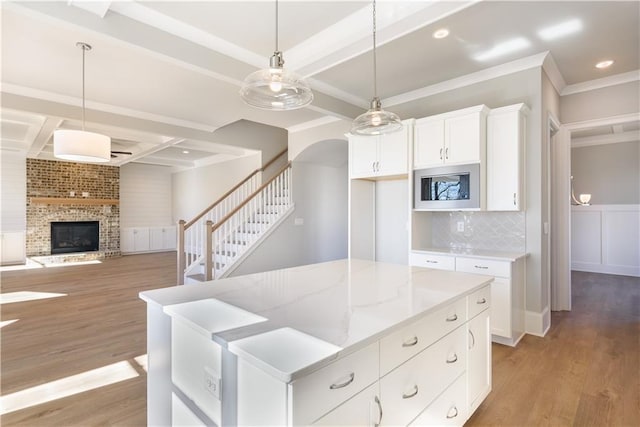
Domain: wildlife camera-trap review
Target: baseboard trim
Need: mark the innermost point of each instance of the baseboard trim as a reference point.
(537, 324)
(620, 270)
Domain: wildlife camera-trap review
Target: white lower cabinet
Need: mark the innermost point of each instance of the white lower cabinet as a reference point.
(12, 248)
(507, 288)
(147, 239)
(449, 409)
(363, 409)
(479, 360)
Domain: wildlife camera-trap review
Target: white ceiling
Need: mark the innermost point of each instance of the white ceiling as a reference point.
(162, 76)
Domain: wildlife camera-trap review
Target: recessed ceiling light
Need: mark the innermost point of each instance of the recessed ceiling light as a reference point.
(441, 33)
(604, 64)
(185, 151)
(560, 30)
(503, 48)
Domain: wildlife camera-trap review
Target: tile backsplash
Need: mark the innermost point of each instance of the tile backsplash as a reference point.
(499, 231)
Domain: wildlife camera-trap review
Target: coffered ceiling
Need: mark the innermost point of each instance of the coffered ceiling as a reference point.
(163, 75)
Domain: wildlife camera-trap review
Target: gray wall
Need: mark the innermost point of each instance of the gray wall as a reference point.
(596, 104)
(610, 173)
(320, 194)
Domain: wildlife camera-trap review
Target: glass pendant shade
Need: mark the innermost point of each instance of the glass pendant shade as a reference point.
(376, 121)
(275, 88)
(81, 146)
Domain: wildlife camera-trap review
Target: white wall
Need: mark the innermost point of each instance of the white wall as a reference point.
(195, 189)
(320, 197)
(600, 103)
(145, 196)
(13, 191)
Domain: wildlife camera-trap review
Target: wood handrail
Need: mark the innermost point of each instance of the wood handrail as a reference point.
(235, 187)
(251, 196)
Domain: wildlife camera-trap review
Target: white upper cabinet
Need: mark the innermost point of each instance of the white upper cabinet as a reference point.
(506, 129)
(456, 137)
(382, 155)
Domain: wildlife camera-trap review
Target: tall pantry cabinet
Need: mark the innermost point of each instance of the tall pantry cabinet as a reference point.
(379, 199)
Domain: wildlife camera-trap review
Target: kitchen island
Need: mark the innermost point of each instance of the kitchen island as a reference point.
(343, 342)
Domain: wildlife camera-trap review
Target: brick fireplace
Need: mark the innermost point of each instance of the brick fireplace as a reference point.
(79, 192)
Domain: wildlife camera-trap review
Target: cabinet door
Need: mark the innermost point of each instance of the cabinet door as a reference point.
(428, 146)
(141, 239)
(501, 307)
(449, 409)
(392, 153)
(156, 238)
(126, 240)
(363, 156)
(463, 138)
(12, 249)
(363, 409)
(479, 360)
(169, 238)
(504, 161)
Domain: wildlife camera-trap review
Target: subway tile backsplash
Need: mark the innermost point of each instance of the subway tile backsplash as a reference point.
(499, 231)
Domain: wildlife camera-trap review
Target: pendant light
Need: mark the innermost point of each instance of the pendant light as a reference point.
(275, 88)
(80, 145)
(375, 121)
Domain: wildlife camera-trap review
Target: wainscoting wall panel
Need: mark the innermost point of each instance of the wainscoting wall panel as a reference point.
(606, 239)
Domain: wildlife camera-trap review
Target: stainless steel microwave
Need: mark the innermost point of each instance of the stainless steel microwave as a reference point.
(448, 187)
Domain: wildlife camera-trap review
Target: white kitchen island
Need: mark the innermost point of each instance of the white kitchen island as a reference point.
(347, 342)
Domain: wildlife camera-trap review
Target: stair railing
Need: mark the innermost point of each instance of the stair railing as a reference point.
(191, 235)
(258, 211)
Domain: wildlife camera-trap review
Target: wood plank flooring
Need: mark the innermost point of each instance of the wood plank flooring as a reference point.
(585, 372)
(100, 322)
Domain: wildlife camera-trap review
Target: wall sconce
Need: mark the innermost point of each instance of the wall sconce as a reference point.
(584, 199)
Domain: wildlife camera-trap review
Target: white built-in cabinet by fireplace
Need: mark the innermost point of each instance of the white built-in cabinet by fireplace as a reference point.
(147, 239)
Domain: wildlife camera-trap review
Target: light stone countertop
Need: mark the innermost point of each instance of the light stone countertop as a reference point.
(337, 307)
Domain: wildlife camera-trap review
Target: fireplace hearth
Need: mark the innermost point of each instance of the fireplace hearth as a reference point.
(75, 236)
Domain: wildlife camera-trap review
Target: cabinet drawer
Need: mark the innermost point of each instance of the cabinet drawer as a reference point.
(319, 392)
(406, 391)
(447, 410)
(410, 340)
(489, 267)
(441, 262)
(478, 301)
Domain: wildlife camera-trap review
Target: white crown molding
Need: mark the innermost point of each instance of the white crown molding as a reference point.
(553, 72)
(522, 64)
(607, 121)
(614, 80)
(312, 124)
(616, 138)
(107, 108)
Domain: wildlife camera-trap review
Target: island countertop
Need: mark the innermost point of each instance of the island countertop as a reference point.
(314, 313)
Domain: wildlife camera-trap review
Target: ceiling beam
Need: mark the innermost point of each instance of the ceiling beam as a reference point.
(44, 136)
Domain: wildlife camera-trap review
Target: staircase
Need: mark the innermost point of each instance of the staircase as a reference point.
(213, 244)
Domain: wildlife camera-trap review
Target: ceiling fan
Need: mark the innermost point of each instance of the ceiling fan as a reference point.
(115, 153)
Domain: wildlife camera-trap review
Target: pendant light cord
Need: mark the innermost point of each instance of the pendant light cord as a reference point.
(375, 65)
(83, 52)
(277, 26)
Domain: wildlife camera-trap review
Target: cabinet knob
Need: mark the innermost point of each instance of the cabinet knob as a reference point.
(335, 386)
(412, 393)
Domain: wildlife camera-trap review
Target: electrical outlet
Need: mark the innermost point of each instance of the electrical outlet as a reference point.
(461, 226)
(212, 382)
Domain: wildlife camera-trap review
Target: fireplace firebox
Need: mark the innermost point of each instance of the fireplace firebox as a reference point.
(75, 236)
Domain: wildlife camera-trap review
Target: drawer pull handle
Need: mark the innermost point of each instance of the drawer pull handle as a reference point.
(379, 411)
(481, 267)
(453, 412)
(452, 318)
(473, 340)
(410, 395)
(411, 343)
(344, 384)
(430, 261)
(454, 359)
(481, 301)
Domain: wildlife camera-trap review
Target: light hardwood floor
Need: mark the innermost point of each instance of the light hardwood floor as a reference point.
(586, 371)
